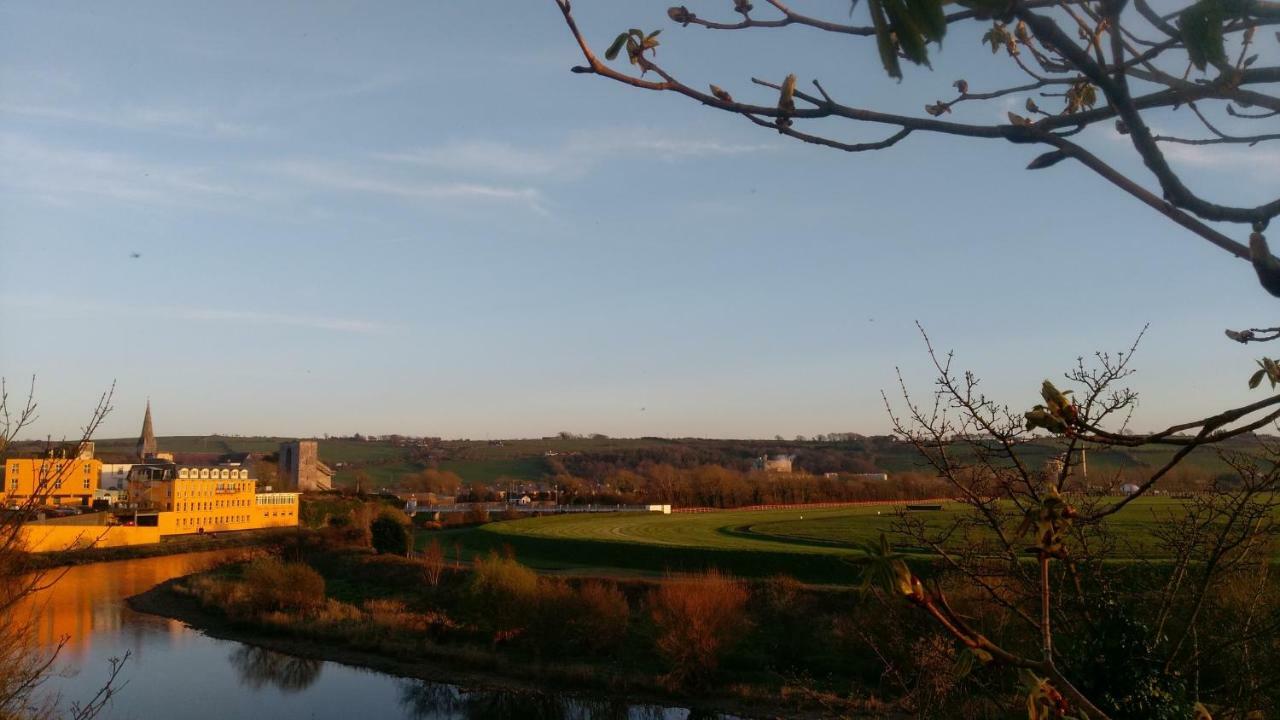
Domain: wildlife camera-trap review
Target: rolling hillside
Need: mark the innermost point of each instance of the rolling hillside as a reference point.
(384, 461)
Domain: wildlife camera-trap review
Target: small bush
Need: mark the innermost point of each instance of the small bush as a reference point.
(477, 516)
(271, 585)
(697, 620)
(389, 535)
(502, 592)
(786, 634)
(600, 620)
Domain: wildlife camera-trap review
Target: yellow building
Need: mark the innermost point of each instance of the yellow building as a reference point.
(161, 498)
(55, 481)
(207, 499)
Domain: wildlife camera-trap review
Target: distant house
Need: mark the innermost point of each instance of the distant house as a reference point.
(774, 464)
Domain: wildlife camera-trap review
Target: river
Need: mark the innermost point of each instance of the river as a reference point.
(176, 672)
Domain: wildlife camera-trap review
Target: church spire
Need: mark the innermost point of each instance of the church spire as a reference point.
(147, 440)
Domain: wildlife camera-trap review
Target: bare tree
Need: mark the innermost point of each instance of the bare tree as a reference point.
(1091, 67)
(433, 562)
(24, 664)
(1038, 551)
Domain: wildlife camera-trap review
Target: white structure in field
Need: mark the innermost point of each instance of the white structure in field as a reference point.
(775, 464)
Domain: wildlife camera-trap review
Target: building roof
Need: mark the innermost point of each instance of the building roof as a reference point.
(147, 440)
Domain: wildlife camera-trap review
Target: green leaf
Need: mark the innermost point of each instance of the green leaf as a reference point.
(996, 37)
(616, 47)
(884, 43)
(1201, 28)
(1256, 380)
(930, 17)
(910, 37)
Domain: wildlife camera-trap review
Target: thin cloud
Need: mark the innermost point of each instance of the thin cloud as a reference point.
(1259, 163)
(62, 174)
(81, 309)
(572, 158)
(181, 121)
(346, 178)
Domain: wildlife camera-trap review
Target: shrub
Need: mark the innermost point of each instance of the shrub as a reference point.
(1117, 662)
(271, 585)
(786, 632)
(546, 617)
(389, 535)
(477, 516)
(599, 622)
(502, 592)
(697, 620)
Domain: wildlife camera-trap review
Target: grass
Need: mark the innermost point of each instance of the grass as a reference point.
(815, 545)
(482, 461)
(488, 471)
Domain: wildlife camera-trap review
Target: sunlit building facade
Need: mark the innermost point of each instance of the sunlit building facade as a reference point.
(55, 480)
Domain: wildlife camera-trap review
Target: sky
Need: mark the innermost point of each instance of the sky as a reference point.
(410, 217)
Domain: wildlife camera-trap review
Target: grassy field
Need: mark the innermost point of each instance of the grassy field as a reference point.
(491, 470)
(817, 545)
(486, 462)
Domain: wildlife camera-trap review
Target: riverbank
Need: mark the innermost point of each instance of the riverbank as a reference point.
(180, 546)
(481, 668)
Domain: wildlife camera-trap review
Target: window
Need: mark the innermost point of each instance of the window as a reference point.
(86, 483)
(183, 473)
(57, 484)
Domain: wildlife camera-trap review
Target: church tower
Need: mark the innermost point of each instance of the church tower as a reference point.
(147, 440)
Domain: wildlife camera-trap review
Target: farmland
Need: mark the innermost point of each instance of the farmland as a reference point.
(385, 461)
(819, 545)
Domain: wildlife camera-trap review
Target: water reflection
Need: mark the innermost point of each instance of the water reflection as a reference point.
(259, 668)
(423, 700)
(214, 679)
(86, 600)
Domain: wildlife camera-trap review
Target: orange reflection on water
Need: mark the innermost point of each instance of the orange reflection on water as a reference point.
(89, 599)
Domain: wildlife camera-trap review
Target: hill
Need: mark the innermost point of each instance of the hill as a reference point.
(385, 460)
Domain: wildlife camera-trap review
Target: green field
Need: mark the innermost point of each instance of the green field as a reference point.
(492, 470)
(386, 462)
(817, 545)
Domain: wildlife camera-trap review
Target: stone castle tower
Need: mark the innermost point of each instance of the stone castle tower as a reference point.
(299, 467)
(147, 440)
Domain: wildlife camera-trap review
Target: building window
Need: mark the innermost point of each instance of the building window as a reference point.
(57, 484)
(86, 483)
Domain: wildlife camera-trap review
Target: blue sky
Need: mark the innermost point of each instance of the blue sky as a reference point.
(410, 217)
